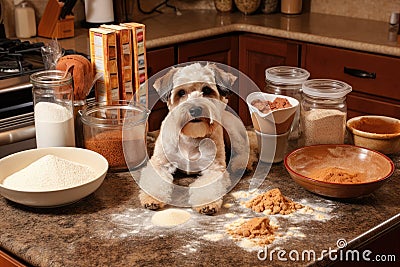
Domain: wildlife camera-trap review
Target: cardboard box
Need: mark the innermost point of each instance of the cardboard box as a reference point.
(103, 54)
(139, 73)
(124, 60)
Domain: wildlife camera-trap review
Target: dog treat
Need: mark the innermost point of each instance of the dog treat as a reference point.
(273, 202)
(266, 106)
(256, 228)
(337, 175)
(170, 217)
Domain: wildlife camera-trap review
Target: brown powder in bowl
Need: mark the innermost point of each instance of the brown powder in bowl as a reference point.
(376, 125)
(337, 175)
(273, 202)
(259, 228)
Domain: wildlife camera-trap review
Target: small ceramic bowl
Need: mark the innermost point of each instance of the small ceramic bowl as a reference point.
(278, 121)
(52, 198)
(375, 132)
(373, 168)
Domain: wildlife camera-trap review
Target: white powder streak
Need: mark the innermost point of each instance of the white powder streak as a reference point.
(49, 173)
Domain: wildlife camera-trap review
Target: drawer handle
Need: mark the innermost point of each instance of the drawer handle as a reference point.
(360, 73)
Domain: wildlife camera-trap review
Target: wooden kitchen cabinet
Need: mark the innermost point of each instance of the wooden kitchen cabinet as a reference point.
(222, 49)
(7, 261)
(256, 54)
(157, 60)
(374, 78)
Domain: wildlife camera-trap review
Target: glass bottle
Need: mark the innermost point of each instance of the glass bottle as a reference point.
(324, 111)
(287, 80)
(53, 108)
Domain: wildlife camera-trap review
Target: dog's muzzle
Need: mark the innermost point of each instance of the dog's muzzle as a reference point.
(196, 111)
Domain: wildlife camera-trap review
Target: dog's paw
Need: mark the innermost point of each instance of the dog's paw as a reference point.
(209, 209)
(150, 203)
(152, 206)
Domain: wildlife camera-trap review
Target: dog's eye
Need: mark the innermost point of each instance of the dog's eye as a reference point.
(207, 90)
(181, 93)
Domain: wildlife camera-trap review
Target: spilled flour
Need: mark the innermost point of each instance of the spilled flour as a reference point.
(198, 230)
(170, 217)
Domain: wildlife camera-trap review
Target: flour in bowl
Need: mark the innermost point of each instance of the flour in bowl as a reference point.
(50, 173)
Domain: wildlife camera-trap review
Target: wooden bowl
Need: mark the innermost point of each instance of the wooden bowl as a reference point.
(376, 132)
(374, 169)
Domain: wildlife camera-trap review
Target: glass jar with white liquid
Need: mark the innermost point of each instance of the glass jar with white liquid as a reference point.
(53, 108)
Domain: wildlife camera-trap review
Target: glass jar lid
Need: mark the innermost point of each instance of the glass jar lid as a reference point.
(326, 88)
(114, 115)
(286, 75)
(50, 78)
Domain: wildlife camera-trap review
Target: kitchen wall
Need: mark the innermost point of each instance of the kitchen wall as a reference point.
(366, 9)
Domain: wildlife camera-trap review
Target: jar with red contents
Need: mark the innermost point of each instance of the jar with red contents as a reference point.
(287, 80)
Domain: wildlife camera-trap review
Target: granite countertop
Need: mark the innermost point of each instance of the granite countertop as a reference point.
(109, 228)
(345, 32)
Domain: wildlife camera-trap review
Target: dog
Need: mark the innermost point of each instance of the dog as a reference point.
(192, 139)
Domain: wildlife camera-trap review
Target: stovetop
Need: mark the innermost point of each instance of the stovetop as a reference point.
(19, 58)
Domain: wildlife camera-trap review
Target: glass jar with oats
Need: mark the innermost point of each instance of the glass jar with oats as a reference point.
(247, 7)
(223, 5)
(323, 111)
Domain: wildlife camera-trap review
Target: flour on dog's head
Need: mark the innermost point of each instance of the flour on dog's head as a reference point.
(194, 73)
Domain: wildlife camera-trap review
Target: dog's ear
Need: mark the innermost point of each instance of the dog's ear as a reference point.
(224, 80)
(164, 84)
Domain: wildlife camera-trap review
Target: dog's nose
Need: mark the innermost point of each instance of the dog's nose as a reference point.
(195, 111)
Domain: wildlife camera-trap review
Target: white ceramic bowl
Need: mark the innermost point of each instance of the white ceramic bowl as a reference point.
(278, 121)
(20, 160)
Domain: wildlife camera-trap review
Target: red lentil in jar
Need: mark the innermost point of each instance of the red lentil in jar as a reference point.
(118, 132)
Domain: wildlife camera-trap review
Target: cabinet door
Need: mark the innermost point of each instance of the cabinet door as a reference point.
(256, 54)
(7, 261)
(374, 78)
(222, 49)
(158, 60)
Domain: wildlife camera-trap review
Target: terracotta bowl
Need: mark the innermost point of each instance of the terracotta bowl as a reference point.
(375, 132)
(373, 169)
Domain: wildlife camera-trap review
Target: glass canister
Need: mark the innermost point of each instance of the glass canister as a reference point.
(324, 111)
(117, 131)
(53, 108)
(223, 5)
(247, 7)
(287, 80)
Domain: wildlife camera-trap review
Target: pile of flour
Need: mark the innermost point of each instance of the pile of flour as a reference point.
(49, 173)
